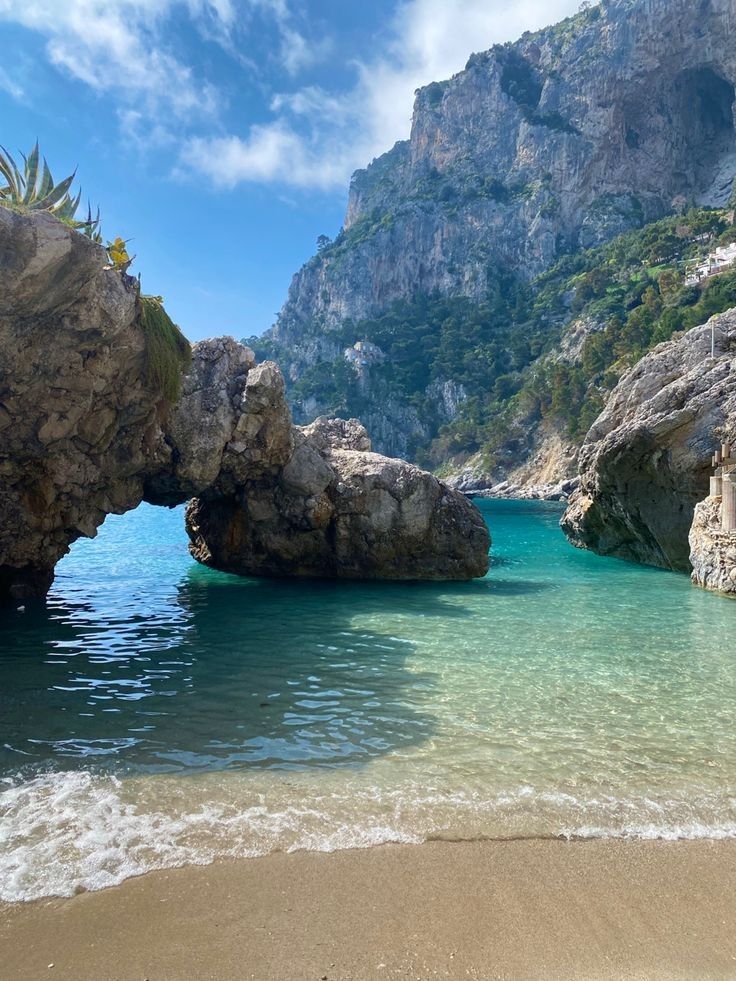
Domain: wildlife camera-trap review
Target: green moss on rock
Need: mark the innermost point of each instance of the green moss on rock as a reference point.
(168, 352)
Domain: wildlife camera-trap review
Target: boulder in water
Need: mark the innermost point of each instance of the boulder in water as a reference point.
(645, 463)
(341, 511)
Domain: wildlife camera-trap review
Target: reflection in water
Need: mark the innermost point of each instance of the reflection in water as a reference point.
(158, 713)
(218, 672)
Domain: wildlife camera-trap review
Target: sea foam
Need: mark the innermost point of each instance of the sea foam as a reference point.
(66, 832)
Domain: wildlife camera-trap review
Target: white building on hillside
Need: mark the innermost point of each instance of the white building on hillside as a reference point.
(716, 262)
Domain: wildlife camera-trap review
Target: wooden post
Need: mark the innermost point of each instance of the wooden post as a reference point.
(728, 502)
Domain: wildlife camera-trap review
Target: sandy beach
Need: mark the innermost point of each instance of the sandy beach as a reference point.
(526, 909)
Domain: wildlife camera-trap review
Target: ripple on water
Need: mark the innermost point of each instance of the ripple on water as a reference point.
(159, 714)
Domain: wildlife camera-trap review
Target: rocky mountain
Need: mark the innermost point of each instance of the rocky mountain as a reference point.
(537, 151)
(91, 424)
(646, 461)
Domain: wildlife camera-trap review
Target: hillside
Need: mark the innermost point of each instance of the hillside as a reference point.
(519, 168)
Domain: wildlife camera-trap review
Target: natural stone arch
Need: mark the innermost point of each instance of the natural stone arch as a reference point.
(83, 434)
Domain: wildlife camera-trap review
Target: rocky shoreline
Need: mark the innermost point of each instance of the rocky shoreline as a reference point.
(506, 490)
(712, 551)
(85, 432)
(645, 462)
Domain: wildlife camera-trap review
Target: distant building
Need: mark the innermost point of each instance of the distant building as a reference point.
(363, 353)
(713, 264)
(362, 356)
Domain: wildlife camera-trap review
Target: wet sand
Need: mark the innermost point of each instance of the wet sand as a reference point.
(480, 910)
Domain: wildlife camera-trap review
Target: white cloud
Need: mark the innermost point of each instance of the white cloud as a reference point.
(115, 46)
(315, 138)
(119, 46)
(298, 53)
(318, 138)
(12, 88)
(271, 153)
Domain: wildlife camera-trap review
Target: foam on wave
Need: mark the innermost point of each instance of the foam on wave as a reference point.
(62, 833)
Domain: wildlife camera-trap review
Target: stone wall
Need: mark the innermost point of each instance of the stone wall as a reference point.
(712, 552)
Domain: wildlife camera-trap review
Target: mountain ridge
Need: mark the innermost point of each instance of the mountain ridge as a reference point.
(539, 149)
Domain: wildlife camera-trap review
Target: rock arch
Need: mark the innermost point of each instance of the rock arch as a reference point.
(83, 435)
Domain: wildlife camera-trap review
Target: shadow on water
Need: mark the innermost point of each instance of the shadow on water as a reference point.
(144, 661)
(217, 672)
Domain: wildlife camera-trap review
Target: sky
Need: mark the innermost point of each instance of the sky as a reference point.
(219, 136)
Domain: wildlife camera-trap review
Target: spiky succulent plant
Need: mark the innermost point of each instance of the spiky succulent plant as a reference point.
(34, 189)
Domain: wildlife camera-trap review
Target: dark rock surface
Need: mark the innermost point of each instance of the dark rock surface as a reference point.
(645, 463)
(79, 428)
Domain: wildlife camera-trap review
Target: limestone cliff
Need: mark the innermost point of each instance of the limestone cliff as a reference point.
(555, 143)
(79, 426)
(645, 463)
(712, 552)
(85, 431)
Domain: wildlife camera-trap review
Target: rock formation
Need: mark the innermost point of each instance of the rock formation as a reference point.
(338, 510)
(79, 427)
(712, 554)
(645, 463)
(558, 142)
(85, 433)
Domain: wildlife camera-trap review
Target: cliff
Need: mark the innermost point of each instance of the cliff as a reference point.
(712, 552)
(91, 424)
(538, 149)
(645, 463)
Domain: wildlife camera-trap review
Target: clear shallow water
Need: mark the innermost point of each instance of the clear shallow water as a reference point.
(158, 713)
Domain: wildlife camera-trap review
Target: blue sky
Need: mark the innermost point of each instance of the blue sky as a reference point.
(220, 135)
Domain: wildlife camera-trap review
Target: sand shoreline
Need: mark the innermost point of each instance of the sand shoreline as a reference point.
(520, 909)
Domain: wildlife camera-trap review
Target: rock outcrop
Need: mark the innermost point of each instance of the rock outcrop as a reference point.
(712, 553)
(79, 427)
(558, 142)
(547, 470)
(645, 463)
(85, 433)
(337, 510)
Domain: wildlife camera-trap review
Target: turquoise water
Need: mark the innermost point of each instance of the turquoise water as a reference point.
(158, 713)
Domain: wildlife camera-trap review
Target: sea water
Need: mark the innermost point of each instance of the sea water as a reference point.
(158, 713)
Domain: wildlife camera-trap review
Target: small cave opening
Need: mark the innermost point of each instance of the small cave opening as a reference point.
(707, 104)
(704, 108)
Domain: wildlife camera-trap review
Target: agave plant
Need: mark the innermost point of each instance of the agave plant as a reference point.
(34, 189)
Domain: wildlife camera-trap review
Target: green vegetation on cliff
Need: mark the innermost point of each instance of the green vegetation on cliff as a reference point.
(168, 352)
(552, 349)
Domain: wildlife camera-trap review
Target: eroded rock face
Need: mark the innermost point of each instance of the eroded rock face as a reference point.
(645, 463)
(231, 425)
(78, 426)
(83, 435)
(712, 553)
(563, 140)
(341, 511)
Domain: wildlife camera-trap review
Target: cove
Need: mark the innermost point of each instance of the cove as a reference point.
(158, 713)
